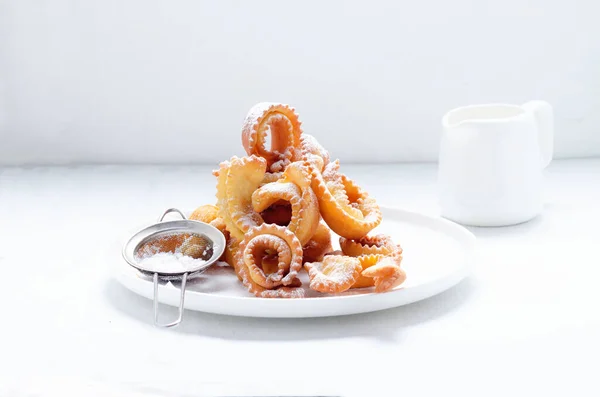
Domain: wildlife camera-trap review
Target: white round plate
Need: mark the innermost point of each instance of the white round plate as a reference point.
(437, 255)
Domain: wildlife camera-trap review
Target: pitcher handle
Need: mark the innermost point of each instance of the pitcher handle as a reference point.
(545, 122)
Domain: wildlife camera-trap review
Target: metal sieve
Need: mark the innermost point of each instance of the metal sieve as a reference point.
(210, 233)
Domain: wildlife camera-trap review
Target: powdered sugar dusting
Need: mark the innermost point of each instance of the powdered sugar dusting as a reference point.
(247, 218)
(333, 181)
(335, 273)
(170, 262)
(274, 191)
(178, 252)
(311, 145)
(280, 165)
(284, 292)
(269, 240)
(255, 113)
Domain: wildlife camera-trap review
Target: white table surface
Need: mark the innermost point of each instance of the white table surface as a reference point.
(526, 322)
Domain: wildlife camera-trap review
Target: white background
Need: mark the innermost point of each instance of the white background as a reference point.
(171, 81)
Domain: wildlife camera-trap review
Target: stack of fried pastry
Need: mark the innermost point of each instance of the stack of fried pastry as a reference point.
(279, 206)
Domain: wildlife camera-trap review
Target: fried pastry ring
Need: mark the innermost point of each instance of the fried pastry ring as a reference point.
(271, 177)
(220, 224)
(293, 291)
(279, 213)
(334, 274)
(209, 213)
(237, 179)
(386, 274)
(366, 261)
(295, 188)
(312, 151)
(229, 255)
(318, 245)
(368, 245)
(283, 123)
(381, 247)
(346, 208)
(205, 213)
(278, 202)
(269, 240)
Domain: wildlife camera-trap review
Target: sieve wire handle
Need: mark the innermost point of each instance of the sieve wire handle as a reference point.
(183, 282)
(174, 323)
(169, 211)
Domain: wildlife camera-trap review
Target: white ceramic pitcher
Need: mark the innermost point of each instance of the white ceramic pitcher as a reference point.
(491, 162)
